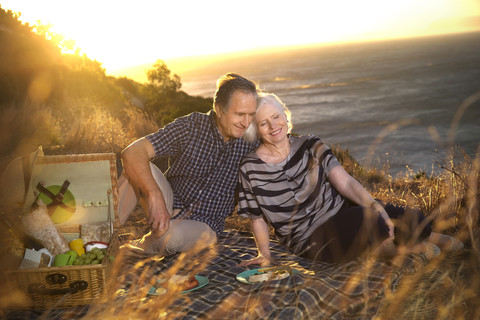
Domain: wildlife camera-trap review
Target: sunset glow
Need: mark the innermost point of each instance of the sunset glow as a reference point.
(127, 33)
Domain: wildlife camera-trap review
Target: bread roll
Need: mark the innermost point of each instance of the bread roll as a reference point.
(38, 224)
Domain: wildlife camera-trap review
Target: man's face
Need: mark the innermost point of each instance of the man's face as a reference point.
(233, 123)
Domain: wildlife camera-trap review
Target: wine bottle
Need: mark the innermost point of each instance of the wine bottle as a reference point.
(28, 241)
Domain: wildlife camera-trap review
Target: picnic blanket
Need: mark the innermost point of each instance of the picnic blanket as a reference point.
(352, 290)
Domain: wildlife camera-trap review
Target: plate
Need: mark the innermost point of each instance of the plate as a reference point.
(243, 276)
(61, 213)
(202, 282)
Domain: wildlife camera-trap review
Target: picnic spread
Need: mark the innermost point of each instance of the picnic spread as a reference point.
(108, 279)
(353, 290)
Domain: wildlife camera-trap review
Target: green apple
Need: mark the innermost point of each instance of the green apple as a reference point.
(72, 253)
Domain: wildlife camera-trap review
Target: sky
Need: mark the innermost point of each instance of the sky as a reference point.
(122, 33)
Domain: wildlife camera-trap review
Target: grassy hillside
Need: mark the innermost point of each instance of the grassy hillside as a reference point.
(65, 102)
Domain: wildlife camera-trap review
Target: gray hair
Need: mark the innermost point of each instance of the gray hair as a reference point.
(227, 85)
(251, 134)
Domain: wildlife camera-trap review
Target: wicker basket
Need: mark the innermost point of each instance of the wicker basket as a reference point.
(56, 287)
(69, 286)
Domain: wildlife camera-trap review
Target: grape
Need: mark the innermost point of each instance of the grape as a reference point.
(94, 256)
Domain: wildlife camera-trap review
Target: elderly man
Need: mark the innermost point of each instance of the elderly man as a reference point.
(197, 192)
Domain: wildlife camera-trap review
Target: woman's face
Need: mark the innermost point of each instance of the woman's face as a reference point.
(271, 124)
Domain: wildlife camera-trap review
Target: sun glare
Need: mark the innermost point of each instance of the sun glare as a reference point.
(127, 33)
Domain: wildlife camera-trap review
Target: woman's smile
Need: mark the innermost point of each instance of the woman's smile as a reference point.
(271, 123)
(276, 132)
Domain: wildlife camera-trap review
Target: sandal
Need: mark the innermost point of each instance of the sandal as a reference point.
(431, 250)
(453, 244)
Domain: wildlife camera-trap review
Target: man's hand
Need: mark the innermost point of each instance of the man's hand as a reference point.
(158, 216)
(136, 163)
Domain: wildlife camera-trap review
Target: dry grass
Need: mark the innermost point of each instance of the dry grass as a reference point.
(134, 303)
(447, 288)
(92, 129)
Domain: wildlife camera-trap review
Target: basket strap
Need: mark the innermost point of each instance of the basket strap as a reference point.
(74, 287)
(56, 198)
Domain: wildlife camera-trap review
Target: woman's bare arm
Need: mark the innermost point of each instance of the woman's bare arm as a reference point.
(262, 238)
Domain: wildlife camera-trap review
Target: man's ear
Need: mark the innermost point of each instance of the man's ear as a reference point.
(219, 111)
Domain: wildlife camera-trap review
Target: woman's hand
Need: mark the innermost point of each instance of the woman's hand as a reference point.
(260, 259)
(261, 234)
(381, 210)
(391, 234)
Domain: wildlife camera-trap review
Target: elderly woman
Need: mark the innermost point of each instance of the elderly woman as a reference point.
(296, 184)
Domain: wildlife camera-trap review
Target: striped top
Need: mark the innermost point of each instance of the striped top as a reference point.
(294, 196)
(203, 171)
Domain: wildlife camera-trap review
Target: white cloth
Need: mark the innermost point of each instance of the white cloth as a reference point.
(182, 235)
(129, 196)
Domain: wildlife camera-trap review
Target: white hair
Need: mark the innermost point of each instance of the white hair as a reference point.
(251, 134)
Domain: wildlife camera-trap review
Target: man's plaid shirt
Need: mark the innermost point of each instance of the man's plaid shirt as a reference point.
(203, 168)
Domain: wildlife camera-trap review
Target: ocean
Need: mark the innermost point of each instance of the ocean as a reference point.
(391, 103)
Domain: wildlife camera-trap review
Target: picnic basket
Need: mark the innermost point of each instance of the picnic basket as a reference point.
(92, 179)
